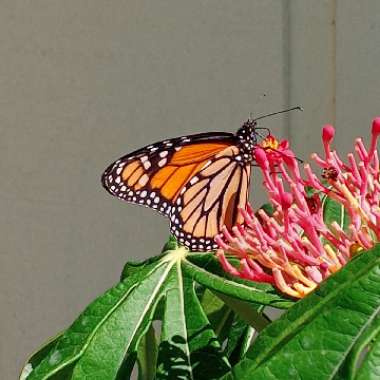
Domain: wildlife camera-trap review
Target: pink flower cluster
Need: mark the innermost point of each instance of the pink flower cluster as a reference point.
(294, 249)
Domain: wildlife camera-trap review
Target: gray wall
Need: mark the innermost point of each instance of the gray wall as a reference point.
(82, 82)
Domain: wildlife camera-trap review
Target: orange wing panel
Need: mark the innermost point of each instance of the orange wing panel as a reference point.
(184, 164)
(135, 176)
(177, 181)
(162, 176)
(197, 152)
(129, 169)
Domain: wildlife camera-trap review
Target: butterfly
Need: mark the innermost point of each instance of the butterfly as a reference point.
(199, 181)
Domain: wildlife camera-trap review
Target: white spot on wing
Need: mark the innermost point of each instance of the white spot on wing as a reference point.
(143, 180)
(194, 180)
(162, 162)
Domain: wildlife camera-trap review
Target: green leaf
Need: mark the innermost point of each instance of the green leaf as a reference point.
(218, 313)
(107, 349)
(239, 340)
(71, 345)
(188, 348)
(247, 341)
(171, 244)
(235, 335)
(334, 212)
(126, 369)
(205, 269)
(352, 362)
(134, 266)
(147, 355)
(267, 208)
(38, 356)
(251, 313)
(370, 368)
(312, 338)
(228, 325)
(310, 191)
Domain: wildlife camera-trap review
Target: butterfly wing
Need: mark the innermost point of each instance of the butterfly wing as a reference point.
(210, 200)
(154, 175)
(197, 181)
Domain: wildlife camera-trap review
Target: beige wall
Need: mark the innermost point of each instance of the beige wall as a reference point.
(82, 82)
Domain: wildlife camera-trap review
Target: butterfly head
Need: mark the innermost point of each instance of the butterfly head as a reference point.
(247, 135)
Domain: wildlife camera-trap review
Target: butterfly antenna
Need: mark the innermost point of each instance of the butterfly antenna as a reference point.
(267, 130)
(276, 113)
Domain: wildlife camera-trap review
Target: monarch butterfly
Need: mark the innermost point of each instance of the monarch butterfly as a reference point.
(198, 181)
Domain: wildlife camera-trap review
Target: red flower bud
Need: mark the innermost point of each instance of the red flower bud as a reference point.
(328, 133)
(376, 126)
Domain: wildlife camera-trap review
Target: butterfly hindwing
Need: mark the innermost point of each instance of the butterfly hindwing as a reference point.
(210, 200)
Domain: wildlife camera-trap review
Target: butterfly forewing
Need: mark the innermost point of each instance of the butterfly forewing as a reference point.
(154, 175)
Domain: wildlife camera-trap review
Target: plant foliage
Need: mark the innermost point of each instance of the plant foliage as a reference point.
(179, 316)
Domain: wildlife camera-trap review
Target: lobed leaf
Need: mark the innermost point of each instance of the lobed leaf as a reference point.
(70, 346)
(147, 355)
(38, 356)
(251, 313)
(321, 328)
(218, 313)
(239, 340)
(370, 368)
(358, 351)
(118, 334)
(189, 348)
(134, 266)
(205, 269)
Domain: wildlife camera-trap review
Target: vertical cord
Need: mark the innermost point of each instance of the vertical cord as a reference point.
(286, 70)
(334, 57)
